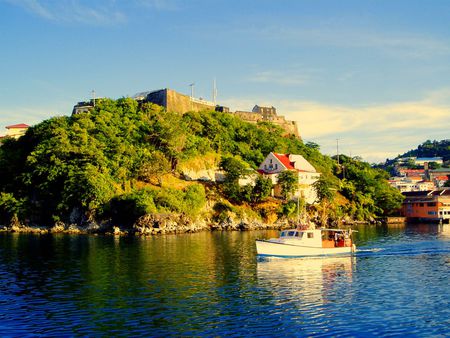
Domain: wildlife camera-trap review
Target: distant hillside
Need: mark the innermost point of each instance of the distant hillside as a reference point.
(426, 149)
(431, 149)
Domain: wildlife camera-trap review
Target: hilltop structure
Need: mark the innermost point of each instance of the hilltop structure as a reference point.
(176, 102)
(269, 114)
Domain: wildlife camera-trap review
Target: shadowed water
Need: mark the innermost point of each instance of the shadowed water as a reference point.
(212, 284)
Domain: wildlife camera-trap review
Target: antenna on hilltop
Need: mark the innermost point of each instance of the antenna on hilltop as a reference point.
(337, 150)
(214, 93)
(192, 85)
(93, 96)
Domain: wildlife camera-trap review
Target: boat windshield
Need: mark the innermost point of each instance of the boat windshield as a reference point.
(291, 233)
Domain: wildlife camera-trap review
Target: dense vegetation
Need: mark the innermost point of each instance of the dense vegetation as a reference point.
(431, 149)
(426, 149)
(121, 160)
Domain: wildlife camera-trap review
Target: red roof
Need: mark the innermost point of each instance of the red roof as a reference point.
(284, 158)
(17, 126)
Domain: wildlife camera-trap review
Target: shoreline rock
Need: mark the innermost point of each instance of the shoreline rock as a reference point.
(152, 225)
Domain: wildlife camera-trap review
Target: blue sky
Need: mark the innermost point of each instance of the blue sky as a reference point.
(373, 74)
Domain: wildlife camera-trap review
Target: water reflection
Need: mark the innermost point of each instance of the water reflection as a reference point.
(444, 230)
(310, 280)
(211, 284)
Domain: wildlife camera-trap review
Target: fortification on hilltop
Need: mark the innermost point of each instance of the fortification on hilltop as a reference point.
(176, 102)
(269, 114)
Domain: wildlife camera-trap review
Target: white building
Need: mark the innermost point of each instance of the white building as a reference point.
(307, 175)
(407, 184)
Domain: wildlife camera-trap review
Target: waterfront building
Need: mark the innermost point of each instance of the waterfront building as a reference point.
(275, 163)
(430, 205)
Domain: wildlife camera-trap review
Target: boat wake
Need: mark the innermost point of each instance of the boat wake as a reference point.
(369, 250)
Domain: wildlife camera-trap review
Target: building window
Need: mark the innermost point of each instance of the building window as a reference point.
(276, 166)
(310, 235)
(270, 161)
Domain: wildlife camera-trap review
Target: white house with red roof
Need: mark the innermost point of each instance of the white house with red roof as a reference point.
(276, 163)
(16, 130)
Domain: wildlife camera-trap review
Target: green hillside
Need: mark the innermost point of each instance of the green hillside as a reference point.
(431, 149)
(122, 160)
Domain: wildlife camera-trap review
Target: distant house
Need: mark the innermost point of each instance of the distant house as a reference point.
(433, 173)
(411, 183)
(410, 172)
(430, 205)
(275, 163)
(439, 181)
(16, 130)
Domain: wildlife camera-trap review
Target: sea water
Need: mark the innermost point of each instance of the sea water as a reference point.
(213, 284)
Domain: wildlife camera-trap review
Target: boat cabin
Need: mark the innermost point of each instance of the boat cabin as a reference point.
(320, 238)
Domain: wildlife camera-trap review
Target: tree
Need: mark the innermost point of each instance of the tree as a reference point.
(434, 165)
(262, 189)
(323, 189)
(153, 167)
(288, 181)
(234, 169)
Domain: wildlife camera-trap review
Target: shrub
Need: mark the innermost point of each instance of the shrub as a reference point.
(126, 209)
(9, 207)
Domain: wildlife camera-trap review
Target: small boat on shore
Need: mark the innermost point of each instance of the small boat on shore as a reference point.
(301, 242)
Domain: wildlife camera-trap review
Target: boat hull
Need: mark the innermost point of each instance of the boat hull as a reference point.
(277, 249)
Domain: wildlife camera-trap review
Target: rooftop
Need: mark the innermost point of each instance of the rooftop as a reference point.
(17, 126)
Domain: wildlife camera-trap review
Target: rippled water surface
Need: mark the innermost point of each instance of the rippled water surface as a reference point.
(212, 284)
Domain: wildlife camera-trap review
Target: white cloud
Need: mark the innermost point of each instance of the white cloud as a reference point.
(280, 78)
(29, 115)
(167, 5)
(104, 13)
(397, 44)
(374, 132)
(33, 6)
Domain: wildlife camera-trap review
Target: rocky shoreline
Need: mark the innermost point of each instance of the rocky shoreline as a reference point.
(148, 225)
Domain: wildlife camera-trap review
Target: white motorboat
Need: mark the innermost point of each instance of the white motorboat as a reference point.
(307, 242)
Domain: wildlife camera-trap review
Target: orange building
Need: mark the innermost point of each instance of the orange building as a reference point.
(430, 205)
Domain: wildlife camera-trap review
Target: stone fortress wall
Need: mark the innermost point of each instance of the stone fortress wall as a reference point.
(268, 114)
(176, 102)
